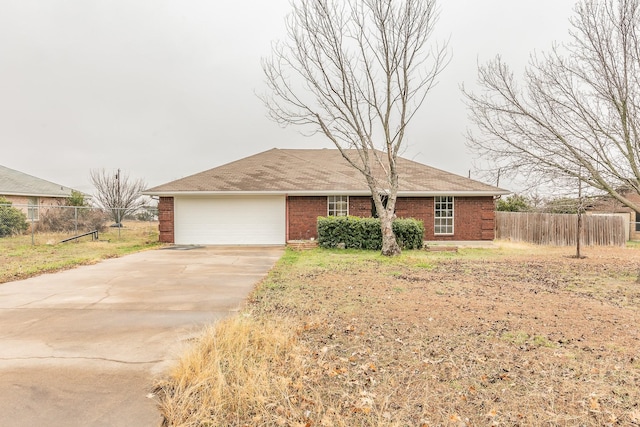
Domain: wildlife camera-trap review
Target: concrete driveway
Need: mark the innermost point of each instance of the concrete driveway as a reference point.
(82, 347)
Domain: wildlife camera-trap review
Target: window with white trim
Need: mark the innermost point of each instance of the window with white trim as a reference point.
(337, 205)
(443, 218)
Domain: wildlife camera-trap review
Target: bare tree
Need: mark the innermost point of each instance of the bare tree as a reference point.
(577, 115)
(117, 192)
(357, 71)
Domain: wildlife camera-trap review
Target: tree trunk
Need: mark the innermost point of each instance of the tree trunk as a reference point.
(365, 67)
(390, 245)
(579, 234)
(580, 210)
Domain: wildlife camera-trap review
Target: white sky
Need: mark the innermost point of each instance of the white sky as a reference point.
(166, 88)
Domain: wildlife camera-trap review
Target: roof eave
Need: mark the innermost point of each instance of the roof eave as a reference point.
(426, 193)
(20, 194)
(457, 193)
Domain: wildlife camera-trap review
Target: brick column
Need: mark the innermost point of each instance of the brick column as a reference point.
(166, 218)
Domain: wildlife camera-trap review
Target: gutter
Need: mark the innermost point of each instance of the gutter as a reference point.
(467, 193)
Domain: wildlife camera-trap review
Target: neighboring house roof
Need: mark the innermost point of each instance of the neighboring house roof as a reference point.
(15, 183)
(316, 171)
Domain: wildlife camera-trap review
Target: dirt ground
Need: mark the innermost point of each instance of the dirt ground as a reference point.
(514, 336)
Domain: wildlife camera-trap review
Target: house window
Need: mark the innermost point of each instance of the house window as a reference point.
(338, 205)
(443, 215)
(32, 209)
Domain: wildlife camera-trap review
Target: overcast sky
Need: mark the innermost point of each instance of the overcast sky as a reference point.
(164, 89)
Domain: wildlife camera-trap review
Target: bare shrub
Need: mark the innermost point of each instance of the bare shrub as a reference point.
(64, 220)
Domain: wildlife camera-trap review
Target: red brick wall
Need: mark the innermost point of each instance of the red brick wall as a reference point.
(360, 206)
(303, 216)
(473, 216)
(165, 218)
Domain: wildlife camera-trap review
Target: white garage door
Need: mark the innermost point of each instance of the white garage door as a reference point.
(230, 220)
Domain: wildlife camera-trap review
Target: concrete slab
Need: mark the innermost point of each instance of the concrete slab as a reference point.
(462, 243)
(82, 347)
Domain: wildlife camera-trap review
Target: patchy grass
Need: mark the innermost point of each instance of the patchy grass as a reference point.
(516, 335)
(20, 259)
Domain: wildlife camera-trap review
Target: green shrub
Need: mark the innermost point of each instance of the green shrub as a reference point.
(364, 233)
(409, 233)
(76, 199)
(12, 221)
(514, 203)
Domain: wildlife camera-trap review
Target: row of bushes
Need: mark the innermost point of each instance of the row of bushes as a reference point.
(364, 233)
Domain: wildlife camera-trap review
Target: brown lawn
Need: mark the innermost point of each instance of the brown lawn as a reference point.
(514, 336)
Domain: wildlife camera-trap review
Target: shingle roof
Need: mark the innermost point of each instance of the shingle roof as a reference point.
(314, 171)
(15, 183)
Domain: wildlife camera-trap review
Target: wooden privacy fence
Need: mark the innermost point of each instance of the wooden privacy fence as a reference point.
(560, 229)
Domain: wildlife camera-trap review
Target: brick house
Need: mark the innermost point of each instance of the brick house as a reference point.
(276, 196)
(29, 193)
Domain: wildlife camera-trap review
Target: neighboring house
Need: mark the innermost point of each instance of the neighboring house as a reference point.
(608, 205)
(276, 196)
(30, 194)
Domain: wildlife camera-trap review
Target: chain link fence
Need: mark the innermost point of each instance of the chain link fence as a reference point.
(50, 224)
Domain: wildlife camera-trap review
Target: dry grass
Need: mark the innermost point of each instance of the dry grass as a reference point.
(21, 259)
(517, 335)
(239, 370)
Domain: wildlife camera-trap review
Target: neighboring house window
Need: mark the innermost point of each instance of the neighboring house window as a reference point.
(32, 210)
(338, 205)
(443, 215)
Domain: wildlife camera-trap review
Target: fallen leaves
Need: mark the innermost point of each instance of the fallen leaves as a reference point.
(469, 342)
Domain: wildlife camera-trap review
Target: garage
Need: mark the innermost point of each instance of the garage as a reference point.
(248, 220)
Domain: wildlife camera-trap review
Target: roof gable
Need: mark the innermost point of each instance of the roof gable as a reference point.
(314, 171)
(16, 183)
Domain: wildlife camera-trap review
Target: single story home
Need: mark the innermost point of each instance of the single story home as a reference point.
(608, 205)
(276, 196)
(30, 194)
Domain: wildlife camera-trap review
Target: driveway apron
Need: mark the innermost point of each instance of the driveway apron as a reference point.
(82, 347)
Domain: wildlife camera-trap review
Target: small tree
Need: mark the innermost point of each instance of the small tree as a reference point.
(76, 199)
(357, 71)
(514, 203)
(12, 221)
(117, 193)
